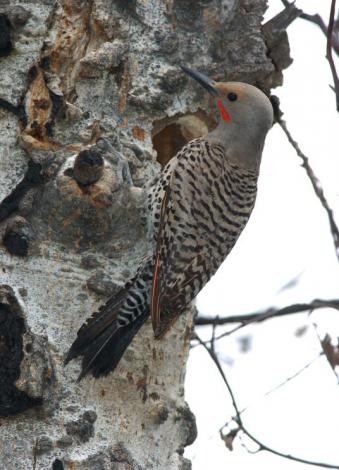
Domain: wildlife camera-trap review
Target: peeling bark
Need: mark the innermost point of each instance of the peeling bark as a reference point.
(87, 87)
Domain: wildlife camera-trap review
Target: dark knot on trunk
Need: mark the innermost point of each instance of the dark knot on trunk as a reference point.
(88, 167)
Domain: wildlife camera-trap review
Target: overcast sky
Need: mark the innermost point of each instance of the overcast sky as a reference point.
(287, 239)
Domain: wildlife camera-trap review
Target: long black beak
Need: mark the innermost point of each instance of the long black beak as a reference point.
(204, 81)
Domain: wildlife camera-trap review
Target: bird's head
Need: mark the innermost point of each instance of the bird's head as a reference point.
(240, 105)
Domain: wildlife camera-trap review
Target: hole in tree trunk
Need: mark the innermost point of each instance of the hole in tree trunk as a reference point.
(57, 465)
(171, 134)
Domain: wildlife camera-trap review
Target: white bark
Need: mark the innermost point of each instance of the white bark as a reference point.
(83, 71)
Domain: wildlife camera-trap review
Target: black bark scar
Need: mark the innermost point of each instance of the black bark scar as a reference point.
(12, 328)
(32, 178)
(19, 110)
(6, 45)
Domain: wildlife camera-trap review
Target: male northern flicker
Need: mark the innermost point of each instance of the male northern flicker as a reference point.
(198, 208)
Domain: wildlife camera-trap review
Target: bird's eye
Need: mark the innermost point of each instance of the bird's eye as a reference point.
(232, 96)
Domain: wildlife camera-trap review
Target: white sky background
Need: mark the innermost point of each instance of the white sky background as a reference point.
(287, 238)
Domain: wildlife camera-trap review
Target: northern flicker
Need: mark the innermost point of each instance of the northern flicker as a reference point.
(198, 208)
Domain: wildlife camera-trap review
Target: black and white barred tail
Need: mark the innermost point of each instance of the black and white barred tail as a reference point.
(103, 339)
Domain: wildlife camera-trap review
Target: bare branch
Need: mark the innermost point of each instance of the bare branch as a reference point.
(240, 424)
(317, 20)
(332, 40)
(329, 56)
(310, 173)
(267, 314)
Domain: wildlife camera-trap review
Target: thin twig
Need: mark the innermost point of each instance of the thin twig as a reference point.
(214, 326)
(288, 379)
(329, 47)
(314, 181)
(240, 423)
(216, 361)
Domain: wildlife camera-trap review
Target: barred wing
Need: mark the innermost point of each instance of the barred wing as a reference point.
(204, 209)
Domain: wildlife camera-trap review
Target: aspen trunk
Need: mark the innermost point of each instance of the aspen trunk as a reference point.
(103, 76)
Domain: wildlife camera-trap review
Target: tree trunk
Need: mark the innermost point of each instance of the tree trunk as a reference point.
(102, 76)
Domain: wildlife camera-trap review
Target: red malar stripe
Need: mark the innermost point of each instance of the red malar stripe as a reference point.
(225, 115)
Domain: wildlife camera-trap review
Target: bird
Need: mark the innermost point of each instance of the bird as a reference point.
(197, 209)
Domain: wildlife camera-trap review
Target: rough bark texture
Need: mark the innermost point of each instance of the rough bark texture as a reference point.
(76, 74)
